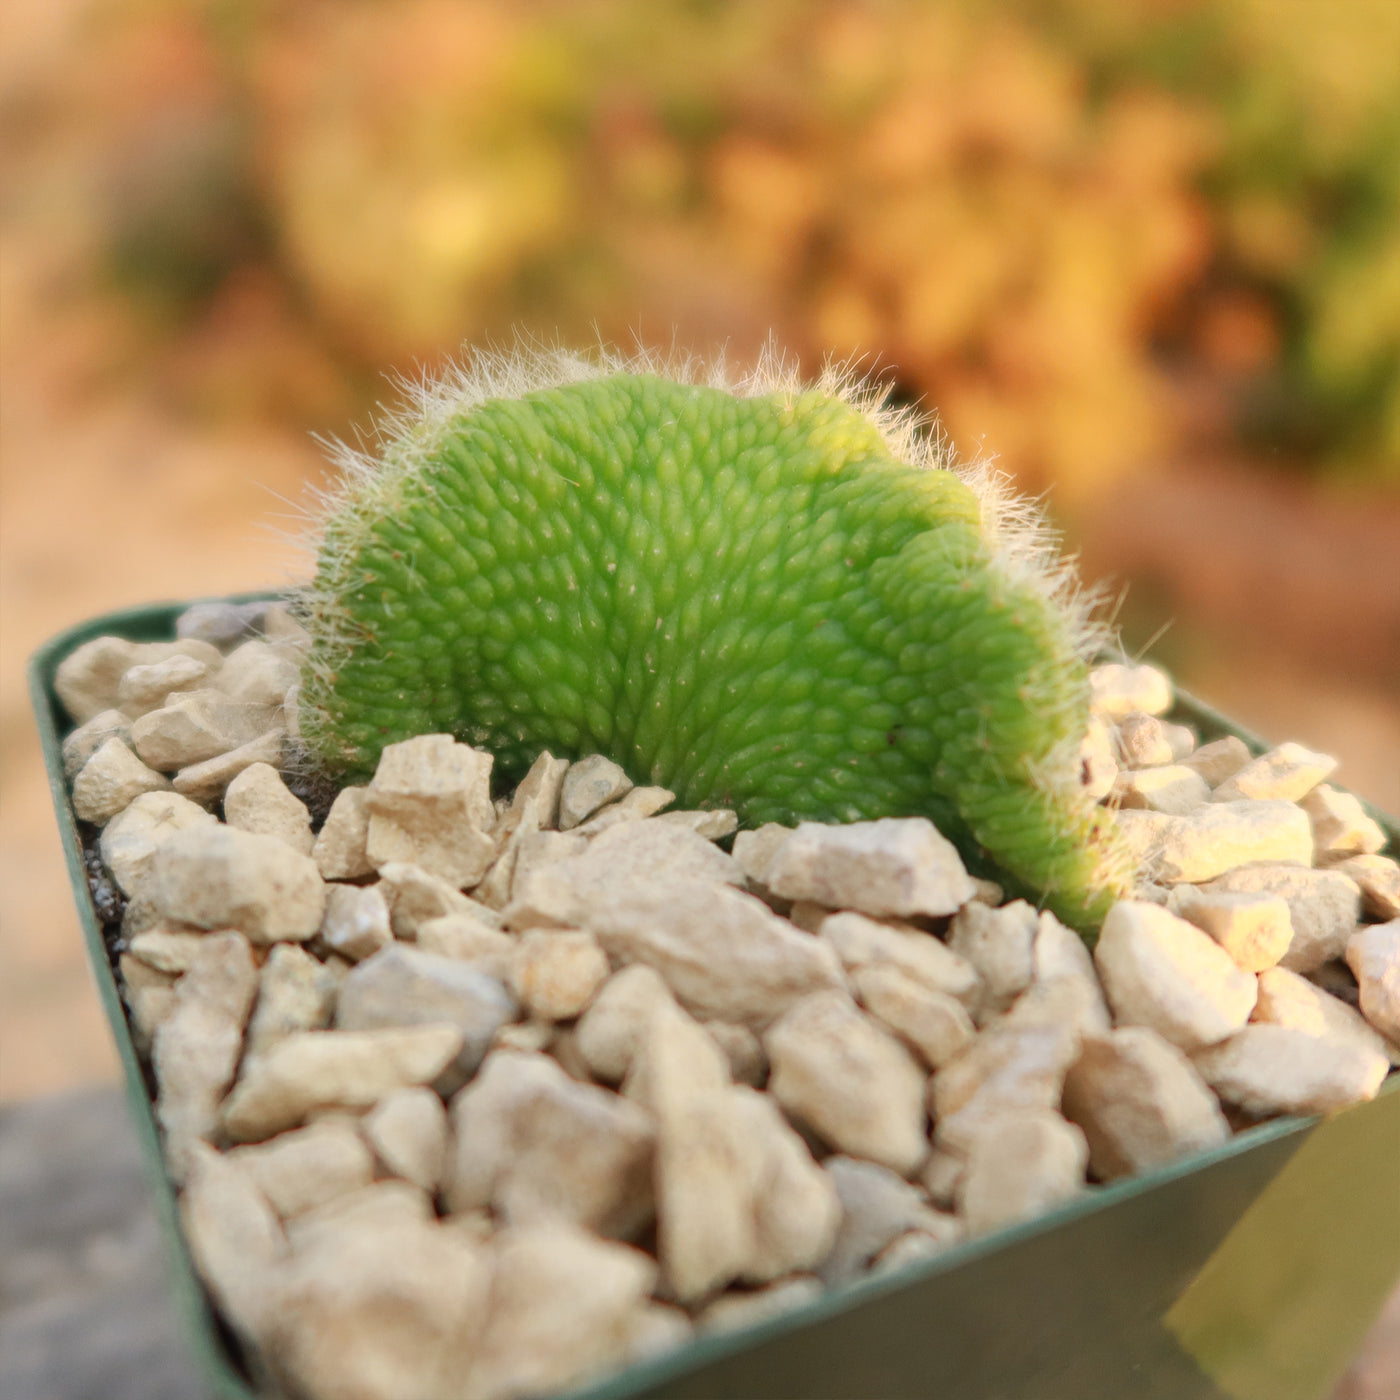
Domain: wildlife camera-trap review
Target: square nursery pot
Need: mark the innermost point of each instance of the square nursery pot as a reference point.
(1251, 1271)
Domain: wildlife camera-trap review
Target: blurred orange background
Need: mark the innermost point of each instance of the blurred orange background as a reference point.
(1144, 252)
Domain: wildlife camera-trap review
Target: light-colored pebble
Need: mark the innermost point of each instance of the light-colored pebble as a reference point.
(754, 850)
(1255, 928)
(306, 1167)
(864, 942)
(1140, 1103)
(556, 972)
(408, 1132)
(390, 1203)
(145, 686)
(712, 825)
(194, 726)
(1142, 742)
(1378, 879)
(1324, 906)
(612, 1028)
(1171, 788)
(733, 1311)
(218, 877)
(130, 839)
(895, 866)
(1162, 972)
(587, 786)
(1098, 760)
(1341, 826)
(1117, 690)
(205, 782)
(469, 938)
(414, 896)
(853, 1084)
(311, 1070)
(149, 994)
(197, 1045)
(339, 851)
(110, 781)
(998, 943)
(1373, 954)
(1286, 999)
(939, 1176)
(1181, 739)
(257, 800)
(1266, 1069)
(1021, 1167)
(1216, 838)
(221, 623)
(748, 1063)
(934, 1025)
(876, 1208)
(87, 678)
(258, 673)
(167, 949)
(538, 1146)
(356, 922)
(404, 986)
(634, 805)
(1285, 774)
(1218, 760)
(88, 737)
(296, 992)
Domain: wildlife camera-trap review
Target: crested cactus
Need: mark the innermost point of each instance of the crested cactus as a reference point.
(778, 598)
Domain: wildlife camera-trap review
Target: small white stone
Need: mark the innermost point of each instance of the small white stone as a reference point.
(205, 782)
(1216, 838)
(110, 781)
(311, 1070)
(1118, 690)
(897, 865)
(339, 851)
(197, 1045)
(220, 623)
(616, 1022)
(1341, 826)
(218, 877)
(1373, 954)
(711, 825)
(555, 973)
(149, 994)
(1267, 1069)
(87, 738)
(1219, 760)
(877, 1207)
(863, 942)
(1021, 1167)
(130, 839)
(998, 943)
(1284, 774)
(414, 896)
(87, 678)
(258, 673)
(1142, 742)
(1140, 1103)
(408, 1132)
(296, 992)
(933, 1024)
(731, 1312)
(194, 726)
(1286, 999)
(588, 785)
(144, 687)
(853, 1084)
(917, 1245)
(307, 1167)
(257, 800)
(283, 631)
(754, 850)
(1254, 928)
(1065, 968)
(356, 921)
(390, 1203)
(1324, 906)
(1172, 788)
(1378, 879)
(469, 938)
(634, 805)
(537, 1146)
(940, 1176)
(1162, 972)
(1182, 740)
(167, 949)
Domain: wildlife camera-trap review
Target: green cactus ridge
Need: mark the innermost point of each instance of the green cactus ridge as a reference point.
(746, 597)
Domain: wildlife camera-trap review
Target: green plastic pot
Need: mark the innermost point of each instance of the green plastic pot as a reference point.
(1249, 1272)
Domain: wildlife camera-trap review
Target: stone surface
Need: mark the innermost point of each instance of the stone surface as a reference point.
(194, 726)
(1139, 1102)
(110, 781)
(258, 673)
(197, 1045)
(1219, 760)
(146, 685)
(1117, 690)
(1267, 1069)
(205, 782)
(732, 1311)
(539, 1147)
(167, 949)
(1253, 927)
(634, 805)
(754, 850)
(1216, 838)
(87, 678)
(999, 944)
(1324, 907)
(564, 1307)
(218, 877)
(748, 1063)
(1373, 954)
(534, 806)
(1162, 972)
(1171, 788)
(1061, 960)
(296, 992)
(257, 800)
(876, 1208)
(339, 851)
(405, 986)
(1286, 773)
(430, 806)
(1021, 1167)
(588, 784)
(616, 1022)
(388, 1203)
(1378, 879)
(862, 942)
(415, 895)
(221, 623)
(356, 922)
(1341, 826)
(408, 1132)
(854, 1085)
(1142, 742)
(149, 995)
(556, 972)
(468, 937)
(130, 839)
(897, 865)
(87, 738)
(1286, 999)
(934, 1025)
(712, 825)
(307, 1167)
(311, 1070)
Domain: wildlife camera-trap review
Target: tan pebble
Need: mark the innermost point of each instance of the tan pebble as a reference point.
(1341, 826)
(145, 687)
(1373, 954)
(556, 973)
(1118, 690)
(588, 785)
(110, 781)
(1218, 760)
(1286, 773)
(1171, 788)
(87, 738)
(1378, 879)
(258, 800)
(1142, 742)
(339, 850)
(1255, 928)
(1021, 1167)
(205, 782)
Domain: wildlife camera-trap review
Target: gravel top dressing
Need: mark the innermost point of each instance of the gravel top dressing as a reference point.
(476, 1090)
